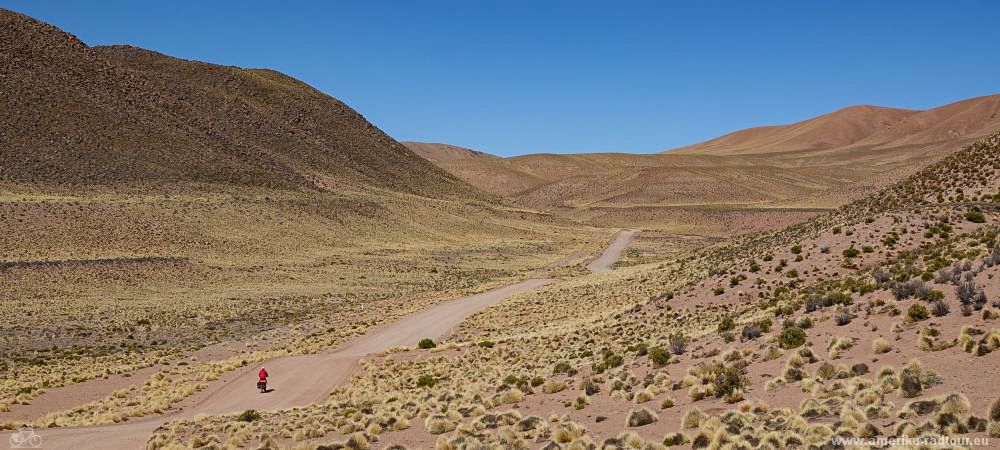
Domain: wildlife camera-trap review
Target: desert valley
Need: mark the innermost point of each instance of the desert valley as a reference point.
(172, 226)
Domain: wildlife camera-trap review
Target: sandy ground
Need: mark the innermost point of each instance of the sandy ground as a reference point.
(301, 380)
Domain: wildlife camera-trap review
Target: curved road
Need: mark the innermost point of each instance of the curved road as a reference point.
(314, 375)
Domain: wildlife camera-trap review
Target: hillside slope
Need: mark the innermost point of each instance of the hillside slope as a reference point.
(437, 152)
(122, 115)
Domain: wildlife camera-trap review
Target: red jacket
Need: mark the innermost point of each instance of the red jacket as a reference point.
(262, 374)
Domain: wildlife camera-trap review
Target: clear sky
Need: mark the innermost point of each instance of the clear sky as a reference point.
(512, 77)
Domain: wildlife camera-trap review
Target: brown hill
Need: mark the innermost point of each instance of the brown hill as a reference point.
(436, 152)
(750, 180)
(122, 115)
(863, 127)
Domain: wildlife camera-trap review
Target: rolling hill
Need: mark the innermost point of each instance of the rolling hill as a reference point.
(868, 127)
(750, 180)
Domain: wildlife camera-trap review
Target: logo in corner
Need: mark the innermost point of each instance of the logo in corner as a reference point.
(25, 438)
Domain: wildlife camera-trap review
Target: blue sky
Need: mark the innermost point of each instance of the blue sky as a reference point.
(517, 77)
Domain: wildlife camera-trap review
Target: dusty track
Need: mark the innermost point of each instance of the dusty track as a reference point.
(613, 253)
(300, 380)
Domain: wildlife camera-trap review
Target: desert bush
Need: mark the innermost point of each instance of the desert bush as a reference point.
(994, 419)
(677, 343)
(851, 252)
(880, 346)
(439, 424)
(553, 387)
(993, 259)
(693, 418)
(943, 276)
(975, 217)
(751, 332)
(917, 312)
(907, 289)
(909, 384)
(839, 344)
(640, 417)
(842, 318)
(673, 439)
(730, 382)
(426, 343)
(250, 415)
(970, 294)
(426, 380)
(791, 337)
(659, 356)
(940, 308)
(880, 276)
(826, 371)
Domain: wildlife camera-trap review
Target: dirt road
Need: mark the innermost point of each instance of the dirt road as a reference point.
(300, 380)
(613, 253)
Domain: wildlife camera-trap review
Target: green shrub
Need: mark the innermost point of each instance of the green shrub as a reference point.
(659, 356)
(537, 381)
(728, 380)
(726, 324)
(796, 249)
(719, 290)
(486, 344)
(426, 343)
(426, 381)
(791, 337)
(975, 217)
(561, 367)
(851, 252)
(917, 312)
(613, 360)
(249, 415)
